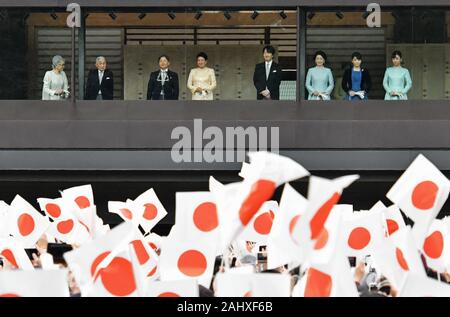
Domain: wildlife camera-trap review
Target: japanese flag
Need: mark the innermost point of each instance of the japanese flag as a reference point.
(398, 256)
(323, 195)
(181, 288)
(151, 208)
(436, 246)
(126, 211)
(25, 223)
(258, 229)
(12, 250)
(56, 208)
(281, 248)
(38, 283)
(69, 230)
(421, 191)
(146, 257)
(422, 286)
(393, 219)
(103, 267)
(333, 279)
(241, 201)
(362, 232)
(185, 258)
(81, 197)
(328, 241)
(196, 216)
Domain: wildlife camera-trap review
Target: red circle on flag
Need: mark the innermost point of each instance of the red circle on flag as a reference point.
(401, 259)
(141, 252)
(53, 210)
(65, 227)
(318, 221)
(126, 213)
(192, 263)
(150, 211)
(152, 272)
(9, 295)
(263, 223)
(9, 255)
(318, 284)
(424, 195)
(322, 240)
(359, 238)
(261, 191)
(292, 223)
(82, 202)
(434, 245)
(392, 226)
(168, 294)
(117, 277)
(25, 222)
(205, 217)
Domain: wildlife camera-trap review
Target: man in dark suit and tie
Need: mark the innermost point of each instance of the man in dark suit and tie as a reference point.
(267, 76)
(100, 82)
(163, 84)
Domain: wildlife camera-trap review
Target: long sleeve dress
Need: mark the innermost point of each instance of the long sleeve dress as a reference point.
(319, 79)
(397, 79)
(205, 79)
(53, 82)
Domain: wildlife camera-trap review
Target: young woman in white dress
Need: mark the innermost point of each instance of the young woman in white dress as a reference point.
(202, 80)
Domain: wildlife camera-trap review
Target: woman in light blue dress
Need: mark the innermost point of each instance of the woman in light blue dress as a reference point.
(397, 80)
(319, 80)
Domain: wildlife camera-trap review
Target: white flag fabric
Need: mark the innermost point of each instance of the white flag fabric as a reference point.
(37, 283)
(281, 248)
(3, 219)
(181, 288)
(420, 286)
(229, 284)
(270, 285)
(25, 223)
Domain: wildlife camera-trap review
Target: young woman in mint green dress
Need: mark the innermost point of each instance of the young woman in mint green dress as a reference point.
(397, 80)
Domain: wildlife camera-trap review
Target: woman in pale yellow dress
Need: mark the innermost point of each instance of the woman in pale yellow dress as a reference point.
(202, 80)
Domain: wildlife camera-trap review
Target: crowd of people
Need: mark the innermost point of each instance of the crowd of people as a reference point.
(164, 83)
(299, 247)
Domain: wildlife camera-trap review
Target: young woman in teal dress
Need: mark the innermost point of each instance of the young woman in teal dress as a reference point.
(319, 80)
(397, 80)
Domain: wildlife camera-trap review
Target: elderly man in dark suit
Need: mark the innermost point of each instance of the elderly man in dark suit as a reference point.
(163, 83)
(100, 82)
(267, 76)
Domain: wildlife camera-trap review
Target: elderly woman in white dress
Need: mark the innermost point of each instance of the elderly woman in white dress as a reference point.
(56, 86)
(202, 80)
